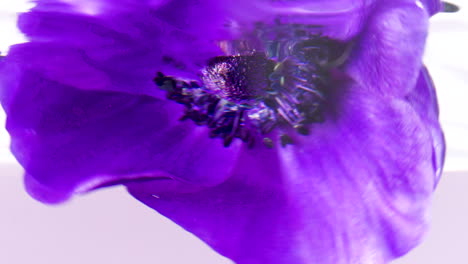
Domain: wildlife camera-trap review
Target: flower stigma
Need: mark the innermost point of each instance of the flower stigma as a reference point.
(250, 95)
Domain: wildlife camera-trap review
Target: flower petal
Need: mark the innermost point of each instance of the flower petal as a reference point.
(146, 36)
(432, 6)
(354, 191)
(129, 45)
(388, 54)
(70, 140)
(121, 49)
(423, 99)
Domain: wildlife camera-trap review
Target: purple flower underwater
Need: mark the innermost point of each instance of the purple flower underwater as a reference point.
(275, 131)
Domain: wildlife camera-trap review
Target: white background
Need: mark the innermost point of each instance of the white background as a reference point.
(109, 226)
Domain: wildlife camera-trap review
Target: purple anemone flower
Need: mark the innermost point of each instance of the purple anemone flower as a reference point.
(276, 131)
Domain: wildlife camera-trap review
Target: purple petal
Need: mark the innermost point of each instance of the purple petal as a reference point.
(423, 99)
(119, 47)
(122, 49)
(432, 6)
(128, 45)
(70, 140)
(355, 191)
(388, 55)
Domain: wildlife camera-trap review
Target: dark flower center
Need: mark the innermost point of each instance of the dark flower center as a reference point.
(253, 95)
(238, 78)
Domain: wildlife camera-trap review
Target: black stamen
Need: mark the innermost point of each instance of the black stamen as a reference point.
(303, 130)
(285, 140)
(268, 142)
